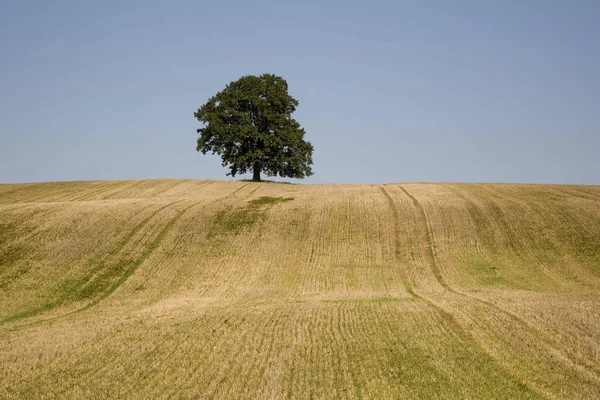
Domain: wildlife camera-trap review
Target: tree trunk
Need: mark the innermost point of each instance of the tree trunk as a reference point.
(256, 174)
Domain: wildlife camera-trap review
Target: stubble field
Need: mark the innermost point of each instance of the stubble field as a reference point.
(210, 289)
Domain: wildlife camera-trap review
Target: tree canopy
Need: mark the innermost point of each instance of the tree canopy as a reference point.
(250, 125)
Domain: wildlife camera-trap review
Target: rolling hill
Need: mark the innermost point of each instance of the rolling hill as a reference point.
(210, 289)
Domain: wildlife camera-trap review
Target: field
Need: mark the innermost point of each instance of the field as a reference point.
(209, 289)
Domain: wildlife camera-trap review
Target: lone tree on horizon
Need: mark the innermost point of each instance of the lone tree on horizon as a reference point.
(250, 125)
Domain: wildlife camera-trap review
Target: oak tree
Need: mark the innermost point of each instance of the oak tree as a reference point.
(250, 125)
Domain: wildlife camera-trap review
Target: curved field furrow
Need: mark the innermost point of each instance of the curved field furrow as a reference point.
(28, 193)
(426, 239)
(521, 248)
(98, 280)
(215, 244)
(16, 207)
(53, 245)
(561, 224)
(183, 245)
(207, 289)
(446, 316)
(60, 191)
(584, 350)
(118, 194)
(578, 192)
(7, 188)
(96, 192)
(569, 358)
(396, 236)
(172, 186)
(132, 267)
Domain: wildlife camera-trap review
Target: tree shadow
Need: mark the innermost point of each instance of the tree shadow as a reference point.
(270, 181)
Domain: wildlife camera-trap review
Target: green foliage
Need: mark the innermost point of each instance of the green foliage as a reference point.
(249, 124)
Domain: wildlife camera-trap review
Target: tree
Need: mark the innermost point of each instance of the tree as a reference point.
(249, 124)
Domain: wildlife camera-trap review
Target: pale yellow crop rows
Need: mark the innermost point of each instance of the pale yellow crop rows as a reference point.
(208, 289)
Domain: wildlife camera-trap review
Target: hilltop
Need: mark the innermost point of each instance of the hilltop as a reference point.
(212, 289)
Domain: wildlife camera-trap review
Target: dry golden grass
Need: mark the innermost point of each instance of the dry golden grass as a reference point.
(208, 289)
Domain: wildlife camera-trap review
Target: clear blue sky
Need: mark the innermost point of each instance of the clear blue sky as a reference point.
(395, 91)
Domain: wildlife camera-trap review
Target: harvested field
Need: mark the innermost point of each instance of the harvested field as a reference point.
(210, 289)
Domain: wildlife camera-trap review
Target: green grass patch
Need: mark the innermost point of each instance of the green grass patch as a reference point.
(12, 256)
(267, 200)
(234, 220)
(586, 249)
(12, 266)
(107, 274)
(487, 274)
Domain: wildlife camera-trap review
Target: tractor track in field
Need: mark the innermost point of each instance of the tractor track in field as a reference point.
(19, 188)
(211, 231)
(98, 191)
(9, 196)
(233, 362)
(127, 273)
(397, 256)
(189, 289)
(30, 235)
(36, 193)
(111, 196)
(17, 207)
(443, 314)
(178, 183)
(145, 255)
(39, 194)
(561, 214)
(545, 269)
(87, 278)
(430, 252)
(225, 325)
(575, 192)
